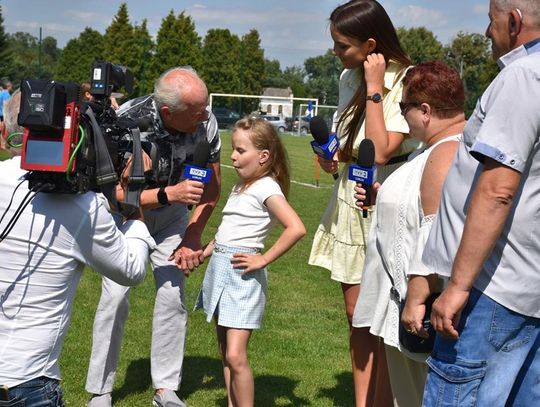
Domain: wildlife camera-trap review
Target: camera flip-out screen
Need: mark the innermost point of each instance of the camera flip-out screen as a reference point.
(44, 152)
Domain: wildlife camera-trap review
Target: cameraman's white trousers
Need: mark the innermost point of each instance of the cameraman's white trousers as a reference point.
(167, 226)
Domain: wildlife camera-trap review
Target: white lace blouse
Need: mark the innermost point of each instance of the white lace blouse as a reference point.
(396, 241)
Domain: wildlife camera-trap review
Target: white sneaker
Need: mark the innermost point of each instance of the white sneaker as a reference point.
(100, 400)
(167, 399)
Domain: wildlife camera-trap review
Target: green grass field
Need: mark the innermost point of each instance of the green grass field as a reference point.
(299, 357)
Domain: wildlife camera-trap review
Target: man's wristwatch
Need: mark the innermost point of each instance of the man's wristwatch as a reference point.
(162, 197)
(375, 98)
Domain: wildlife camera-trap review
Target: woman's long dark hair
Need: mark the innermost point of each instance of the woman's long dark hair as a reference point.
(362, 20)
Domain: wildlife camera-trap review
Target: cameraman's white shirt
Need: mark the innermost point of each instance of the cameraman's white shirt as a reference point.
(41, 263)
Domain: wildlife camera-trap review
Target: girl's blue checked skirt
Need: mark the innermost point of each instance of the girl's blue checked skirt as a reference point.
(236, 300)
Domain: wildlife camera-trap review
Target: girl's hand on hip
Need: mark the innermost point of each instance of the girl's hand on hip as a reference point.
(248, 262)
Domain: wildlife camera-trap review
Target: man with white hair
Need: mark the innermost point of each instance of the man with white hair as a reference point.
(486, 237)
(180, 121)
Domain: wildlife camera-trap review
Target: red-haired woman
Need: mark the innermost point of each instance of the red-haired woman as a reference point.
(433, 100)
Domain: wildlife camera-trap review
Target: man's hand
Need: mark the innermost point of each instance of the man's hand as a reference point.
(188, 255)
(248, 262)
(188, 192)
(446, 312)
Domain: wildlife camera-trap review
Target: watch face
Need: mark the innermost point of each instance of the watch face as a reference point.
(376, 97)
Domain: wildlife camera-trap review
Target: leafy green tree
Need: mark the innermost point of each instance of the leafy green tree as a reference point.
(130, 46)
(251, 70)
(25, 61)
(273, 76)
(78, 56)
(421, 44)
(143, 46)
(294, 76)
(5, 51)
(177, 44)
(221, 52)
(118, 39)
(323, 77)
(470, 55)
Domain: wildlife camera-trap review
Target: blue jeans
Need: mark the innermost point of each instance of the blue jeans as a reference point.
(39, 392)
(495, 362)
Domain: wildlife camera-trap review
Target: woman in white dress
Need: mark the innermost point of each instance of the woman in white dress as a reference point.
(367, 45)
(432, 104)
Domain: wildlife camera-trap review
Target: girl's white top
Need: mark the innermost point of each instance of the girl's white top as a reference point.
(246, 219)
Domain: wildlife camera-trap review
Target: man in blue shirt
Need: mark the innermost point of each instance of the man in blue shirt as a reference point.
(5, 94)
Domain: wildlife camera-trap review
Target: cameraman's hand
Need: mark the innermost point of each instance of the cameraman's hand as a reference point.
(147, 165)
(188, 192)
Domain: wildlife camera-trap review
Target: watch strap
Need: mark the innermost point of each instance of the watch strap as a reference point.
(162, 197)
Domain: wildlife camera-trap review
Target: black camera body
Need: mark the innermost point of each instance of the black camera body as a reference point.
(71, 146)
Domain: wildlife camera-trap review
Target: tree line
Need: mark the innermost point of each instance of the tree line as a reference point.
(228, 63)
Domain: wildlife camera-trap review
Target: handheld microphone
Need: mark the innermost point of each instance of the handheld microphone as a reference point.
(324, 144)
(364, 172)
(196, 170)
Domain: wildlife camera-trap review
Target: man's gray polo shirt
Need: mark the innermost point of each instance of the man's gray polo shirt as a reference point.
(504, 126)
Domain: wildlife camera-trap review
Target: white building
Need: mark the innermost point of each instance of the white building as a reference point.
(280, 102)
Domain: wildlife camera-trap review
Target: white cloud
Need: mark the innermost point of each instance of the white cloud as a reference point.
(87, 17)
(252, 18)
(31, 26)
(419, 16)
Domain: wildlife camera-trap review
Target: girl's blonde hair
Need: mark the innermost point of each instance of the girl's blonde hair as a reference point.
(265, 137)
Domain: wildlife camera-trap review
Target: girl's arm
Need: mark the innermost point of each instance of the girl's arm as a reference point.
(293, 231)
(386, 142)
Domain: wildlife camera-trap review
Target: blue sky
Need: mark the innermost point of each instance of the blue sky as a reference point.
(290, 30)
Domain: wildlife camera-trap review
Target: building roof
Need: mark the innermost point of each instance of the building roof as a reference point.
(279, 92)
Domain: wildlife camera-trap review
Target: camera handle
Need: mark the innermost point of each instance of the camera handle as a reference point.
(106, 176)
(136, 180)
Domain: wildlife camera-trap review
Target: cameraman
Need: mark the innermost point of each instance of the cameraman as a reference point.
(180, 121)
(43, 257)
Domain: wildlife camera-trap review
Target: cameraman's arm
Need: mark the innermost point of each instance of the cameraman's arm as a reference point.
(188, 254)
(118, 252)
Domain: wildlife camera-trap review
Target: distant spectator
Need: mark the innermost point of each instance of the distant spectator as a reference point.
(86, 96)
(11, 131)
(5, 94)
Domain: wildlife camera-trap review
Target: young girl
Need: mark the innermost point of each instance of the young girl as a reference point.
(369, 92)
(234, 286)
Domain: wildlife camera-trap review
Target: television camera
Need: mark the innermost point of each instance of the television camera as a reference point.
(74, 147)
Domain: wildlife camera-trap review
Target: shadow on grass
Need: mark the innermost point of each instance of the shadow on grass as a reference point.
(268, 389)
(342, 394)
(137, 379)
(201, 372)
